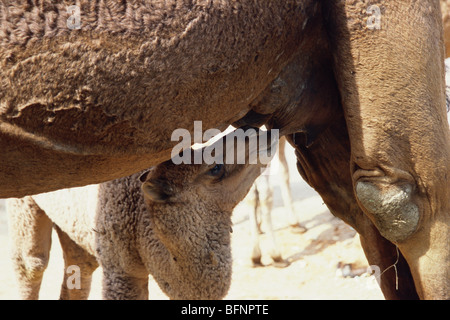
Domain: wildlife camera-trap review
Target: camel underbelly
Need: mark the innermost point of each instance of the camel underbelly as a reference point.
(118, 85)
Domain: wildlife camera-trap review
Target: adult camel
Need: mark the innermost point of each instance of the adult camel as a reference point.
(445, 8)
(359, 93)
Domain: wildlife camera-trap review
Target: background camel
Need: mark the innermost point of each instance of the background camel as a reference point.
(89, 105)
(180, 235)
(260, 198)
(445, 8)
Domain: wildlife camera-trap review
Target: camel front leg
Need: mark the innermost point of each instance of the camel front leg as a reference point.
(265, 193)
(253, 199)
(325, 165)
(396, 117)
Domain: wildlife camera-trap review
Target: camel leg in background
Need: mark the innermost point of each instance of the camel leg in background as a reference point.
(285, 186)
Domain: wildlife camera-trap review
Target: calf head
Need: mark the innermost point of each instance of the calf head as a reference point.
(190, 208)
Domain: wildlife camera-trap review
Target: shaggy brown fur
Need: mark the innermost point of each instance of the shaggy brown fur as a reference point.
(90, 105)
(181, 236)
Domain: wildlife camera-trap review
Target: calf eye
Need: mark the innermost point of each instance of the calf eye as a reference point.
(217, 170)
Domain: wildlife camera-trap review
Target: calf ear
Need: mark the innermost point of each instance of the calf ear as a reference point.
(157, 192)
(143, 176)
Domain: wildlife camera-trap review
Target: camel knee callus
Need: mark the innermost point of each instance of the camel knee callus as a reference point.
(391, 207)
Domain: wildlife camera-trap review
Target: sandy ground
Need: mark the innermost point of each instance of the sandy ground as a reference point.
(313, 256)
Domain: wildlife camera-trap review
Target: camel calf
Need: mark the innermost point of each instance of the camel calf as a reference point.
(178, 231)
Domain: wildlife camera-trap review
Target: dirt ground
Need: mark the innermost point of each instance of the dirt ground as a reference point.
(313, 256)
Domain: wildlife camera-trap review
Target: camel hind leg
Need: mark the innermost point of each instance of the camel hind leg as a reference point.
(78, 266)
(30, 231)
